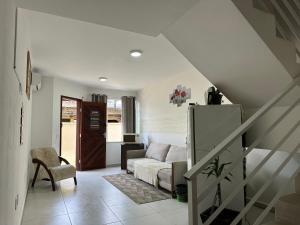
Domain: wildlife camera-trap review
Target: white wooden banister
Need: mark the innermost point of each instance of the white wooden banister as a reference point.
(208, 188)
(199, 166)
(264, 187)
(249, 177)
(275, 199)
(196, 198)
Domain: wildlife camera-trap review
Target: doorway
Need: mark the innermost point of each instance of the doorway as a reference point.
(70, 129)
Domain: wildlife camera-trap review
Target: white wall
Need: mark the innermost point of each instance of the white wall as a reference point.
(46, 112)
(254, 158)
(69, 89)
(217, 39)
(14, 157)
(2, 152)
(273, 139)
(46, 109)
(42, 113)
(280, 130)
(162, 121)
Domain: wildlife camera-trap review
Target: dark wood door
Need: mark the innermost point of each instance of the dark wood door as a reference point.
(93, 136)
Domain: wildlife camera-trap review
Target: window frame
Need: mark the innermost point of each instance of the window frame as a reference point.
(115, 107)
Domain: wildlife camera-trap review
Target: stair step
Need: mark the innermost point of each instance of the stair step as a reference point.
(287, 210)
(265, 25)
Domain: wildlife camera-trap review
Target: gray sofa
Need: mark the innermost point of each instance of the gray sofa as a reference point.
(174, 157)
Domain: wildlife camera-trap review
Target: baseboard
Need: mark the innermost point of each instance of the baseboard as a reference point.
(113, 165)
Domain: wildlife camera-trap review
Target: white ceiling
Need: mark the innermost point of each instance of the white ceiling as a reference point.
(82, 52)
(142, 16)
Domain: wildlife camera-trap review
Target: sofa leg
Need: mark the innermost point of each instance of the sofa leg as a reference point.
(75, 181)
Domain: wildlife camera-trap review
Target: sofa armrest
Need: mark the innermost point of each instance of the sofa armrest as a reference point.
(178, 171)
(133, 154)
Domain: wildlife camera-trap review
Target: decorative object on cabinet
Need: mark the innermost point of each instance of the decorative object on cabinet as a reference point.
(180, 95)
(213, 96)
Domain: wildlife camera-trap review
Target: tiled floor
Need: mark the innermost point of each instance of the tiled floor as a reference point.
(96, 202)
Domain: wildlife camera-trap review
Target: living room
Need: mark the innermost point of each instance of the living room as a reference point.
(150, 79)
(61, 62)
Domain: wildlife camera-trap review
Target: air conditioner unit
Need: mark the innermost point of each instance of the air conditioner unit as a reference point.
(36, 82)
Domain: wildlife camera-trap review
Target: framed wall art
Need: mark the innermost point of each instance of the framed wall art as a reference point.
(28, 76)
(180, 95)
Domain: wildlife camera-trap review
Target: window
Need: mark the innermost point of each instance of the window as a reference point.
(114, 120)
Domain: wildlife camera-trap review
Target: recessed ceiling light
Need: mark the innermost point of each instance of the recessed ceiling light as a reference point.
(103, 79)
(136, 53)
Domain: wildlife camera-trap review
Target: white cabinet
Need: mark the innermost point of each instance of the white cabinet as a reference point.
(208, 126)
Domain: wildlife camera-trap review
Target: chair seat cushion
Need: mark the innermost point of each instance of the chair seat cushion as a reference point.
(63, 172)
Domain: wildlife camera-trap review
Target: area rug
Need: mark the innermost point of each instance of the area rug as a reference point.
(137, 190)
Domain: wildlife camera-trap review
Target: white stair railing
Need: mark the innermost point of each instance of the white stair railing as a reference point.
(195, 198)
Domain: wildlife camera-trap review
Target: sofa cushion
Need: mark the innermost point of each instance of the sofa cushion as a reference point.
(131, 162)
(157, 151)
(165, 175)
(176, 154)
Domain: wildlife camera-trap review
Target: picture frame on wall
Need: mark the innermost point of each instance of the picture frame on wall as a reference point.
(28, 76)
(21, 124)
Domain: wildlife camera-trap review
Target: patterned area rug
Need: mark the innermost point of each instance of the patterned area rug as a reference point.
(139, 191)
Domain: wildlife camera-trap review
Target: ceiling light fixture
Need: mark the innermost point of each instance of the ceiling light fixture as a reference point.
(103, 79)
(136, 53)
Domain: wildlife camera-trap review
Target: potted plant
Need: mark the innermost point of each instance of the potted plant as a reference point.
(216, 168)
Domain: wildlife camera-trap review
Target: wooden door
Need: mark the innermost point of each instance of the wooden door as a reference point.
(93, 136)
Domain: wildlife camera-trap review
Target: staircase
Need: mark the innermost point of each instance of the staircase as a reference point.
(287, 209)
(278, 24)
(235, 46)
(287, 17)
(242, 48)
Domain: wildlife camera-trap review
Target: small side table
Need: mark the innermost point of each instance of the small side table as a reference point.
(127, 147)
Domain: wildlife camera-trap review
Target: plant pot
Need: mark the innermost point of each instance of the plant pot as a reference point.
(181, 192)
(224, 218)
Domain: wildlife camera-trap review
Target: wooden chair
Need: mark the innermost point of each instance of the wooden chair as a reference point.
(51, 169)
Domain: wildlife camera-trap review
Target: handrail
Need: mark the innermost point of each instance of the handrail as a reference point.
(208, 188)
(265, 186)
(202, 164)
(275, 199)
(250, 176)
